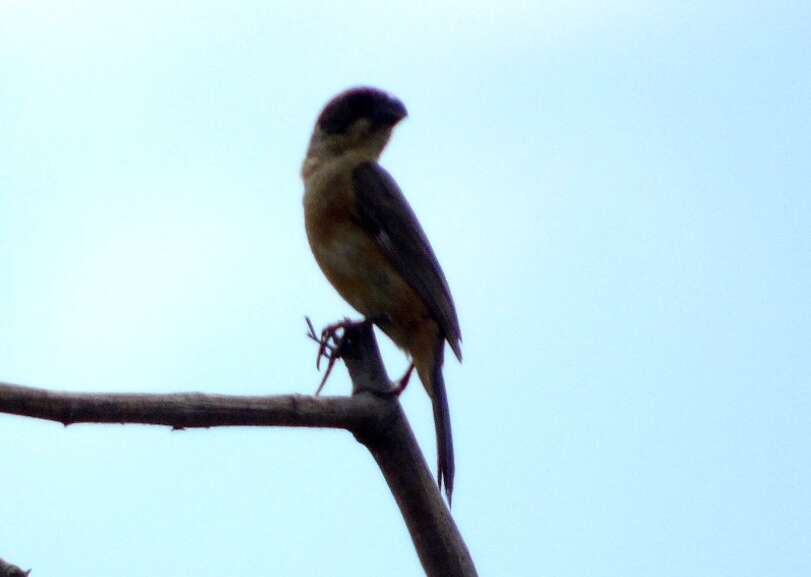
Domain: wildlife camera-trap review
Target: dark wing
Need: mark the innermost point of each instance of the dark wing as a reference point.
(386, 214)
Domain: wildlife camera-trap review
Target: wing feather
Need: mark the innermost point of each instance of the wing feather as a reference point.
(385, 213)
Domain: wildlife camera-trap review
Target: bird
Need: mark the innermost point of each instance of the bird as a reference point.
(369, 244)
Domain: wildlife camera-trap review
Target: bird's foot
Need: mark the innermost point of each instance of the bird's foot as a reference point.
(329, 346)
(400, 386)
(397, 387)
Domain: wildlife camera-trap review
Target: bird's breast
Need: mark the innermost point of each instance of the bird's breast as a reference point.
(349, 255)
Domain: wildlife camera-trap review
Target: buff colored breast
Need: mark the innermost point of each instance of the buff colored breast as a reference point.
(352, 261)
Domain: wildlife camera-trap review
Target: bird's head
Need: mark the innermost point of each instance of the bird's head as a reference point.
(357, 120)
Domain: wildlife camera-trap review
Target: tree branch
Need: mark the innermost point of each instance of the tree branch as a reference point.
(190, 410)
(439, 544)
(373, 414)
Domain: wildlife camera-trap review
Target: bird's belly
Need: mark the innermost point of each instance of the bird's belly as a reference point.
(356, 266)
(362, 275)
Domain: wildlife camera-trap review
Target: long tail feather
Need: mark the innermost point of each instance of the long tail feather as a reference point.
(442, 422)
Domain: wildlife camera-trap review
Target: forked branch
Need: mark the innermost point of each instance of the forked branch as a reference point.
(373, 414)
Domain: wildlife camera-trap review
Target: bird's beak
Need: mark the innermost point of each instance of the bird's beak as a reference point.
(390, 113)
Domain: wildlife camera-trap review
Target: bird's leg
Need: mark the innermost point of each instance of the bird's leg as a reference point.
(329, 346)
(325, 349)
(331, 363)
(400, 386)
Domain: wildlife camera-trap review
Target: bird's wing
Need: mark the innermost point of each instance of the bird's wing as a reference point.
(385, 213)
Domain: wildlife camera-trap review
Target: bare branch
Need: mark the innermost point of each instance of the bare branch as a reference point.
(439, 544)
(373, 414)
(190, 410)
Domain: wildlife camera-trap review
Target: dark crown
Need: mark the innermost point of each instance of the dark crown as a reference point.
(380, 108)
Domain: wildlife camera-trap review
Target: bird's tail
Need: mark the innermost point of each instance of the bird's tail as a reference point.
(442, 422)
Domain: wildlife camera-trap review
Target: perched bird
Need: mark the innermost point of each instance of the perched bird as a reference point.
(369, 244)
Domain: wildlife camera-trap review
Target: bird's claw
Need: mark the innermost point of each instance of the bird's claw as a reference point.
(325, 349)
(329, 346)
(400, 386)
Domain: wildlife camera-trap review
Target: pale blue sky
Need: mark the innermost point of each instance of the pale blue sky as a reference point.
(619, 193)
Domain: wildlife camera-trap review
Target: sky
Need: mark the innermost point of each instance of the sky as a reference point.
(618, 193)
